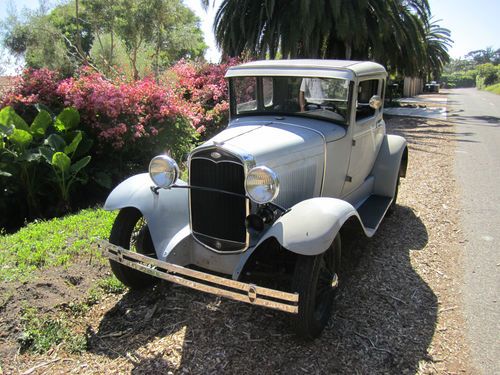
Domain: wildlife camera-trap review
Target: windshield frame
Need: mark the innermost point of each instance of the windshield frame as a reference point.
(260, 101)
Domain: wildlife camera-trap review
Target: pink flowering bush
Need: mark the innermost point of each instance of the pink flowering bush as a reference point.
(129, 122)
(127, 115)
(204, 87)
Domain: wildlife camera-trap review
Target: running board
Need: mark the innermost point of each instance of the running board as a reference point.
(220, 286)
(373, 210)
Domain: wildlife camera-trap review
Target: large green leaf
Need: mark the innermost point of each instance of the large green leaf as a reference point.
(7, 130)
(29, 155)
(41, 122)
(71, 148)
(5, 174)
(67, 119)
(83, 148)
(56, 142)
(42, 107)
(9, 117)
(47, 154)
(21, 138)
(103, 179)
(82, 163)
(61, 161)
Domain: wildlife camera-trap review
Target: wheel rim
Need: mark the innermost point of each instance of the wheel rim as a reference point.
(137, 235)
(139, 238)
(327, 283)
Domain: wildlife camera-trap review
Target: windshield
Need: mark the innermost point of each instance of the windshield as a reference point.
(323, 98)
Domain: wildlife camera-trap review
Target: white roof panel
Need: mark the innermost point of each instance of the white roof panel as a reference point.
(307, 68)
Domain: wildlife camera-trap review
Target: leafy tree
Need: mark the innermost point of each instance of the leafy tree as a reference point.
(102, 18)
(161, 23)
(46, 39)
(77, 32)
(484, 56)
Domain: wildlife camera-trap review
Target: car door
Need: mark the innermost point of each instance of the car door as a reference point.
(367, 133)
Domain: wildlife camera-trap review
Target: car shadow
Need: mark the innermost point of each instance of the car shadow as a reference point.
(383, 322)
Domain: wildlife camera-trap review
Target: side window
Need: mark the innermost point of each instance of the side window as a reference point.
(267, 91)
(366, 90)
(245, 92)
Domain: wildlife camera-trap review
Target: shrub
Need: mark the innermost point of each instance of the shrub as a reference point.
(34, 86)
(203, 86)
(494, 89)
(459, 79)
(488, 74)
(28, 153)
(126, 123)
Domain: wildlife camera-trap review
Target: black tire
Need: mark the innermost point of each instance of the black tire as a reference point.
(392, 207)
(315, 278)
(131, 232)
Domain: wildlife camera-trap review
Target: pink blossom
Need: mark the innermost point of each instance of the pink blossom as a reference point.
(117, 112)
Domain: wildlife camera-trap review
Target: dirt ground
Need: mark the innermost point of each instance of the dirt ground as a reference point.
(397, 311)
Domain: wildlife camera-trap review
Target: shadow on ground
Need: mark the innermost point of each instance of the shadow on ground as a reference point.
(424, 132)
(383, 322)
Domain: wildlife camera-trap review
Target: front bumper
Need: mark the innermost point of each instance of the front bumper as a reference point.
(205, 282)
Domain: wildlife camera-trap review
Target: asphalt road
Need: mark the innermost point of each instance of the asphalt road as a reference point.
(477, 169)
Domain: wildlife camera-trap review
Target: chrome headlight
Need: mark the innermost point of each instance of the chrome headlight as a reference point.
(163, 170)
(262, 185)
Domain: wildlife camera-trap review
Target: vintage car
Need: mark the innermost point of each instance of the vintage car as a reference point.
(259, 219)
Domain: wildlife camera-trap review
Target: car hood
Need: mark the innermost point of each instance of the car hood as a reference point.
(295, 151)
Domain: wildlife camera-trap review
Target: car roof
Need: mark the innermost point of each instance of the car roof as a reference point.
(307, 68)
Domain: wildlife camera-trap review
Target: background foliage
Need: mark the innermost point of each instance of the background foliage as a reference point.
(480, 68)
(121, 125)
(131, 37)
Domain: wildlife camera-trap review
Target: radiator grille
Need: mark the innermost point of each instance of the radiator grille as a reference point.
(218, 219)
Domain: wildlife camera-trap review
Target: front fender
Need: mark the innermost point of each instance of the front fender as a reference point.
(310, 227)
(166, 212)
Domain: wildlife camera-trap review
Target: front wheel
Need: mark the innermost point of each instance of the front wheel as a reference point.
(131, 232)
(315, 278)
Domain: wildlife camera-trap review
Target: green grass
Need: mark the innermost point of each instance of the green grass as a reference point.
(494, 88)
(51, 243)
(111, 285)
(106, 285)
(42, 332)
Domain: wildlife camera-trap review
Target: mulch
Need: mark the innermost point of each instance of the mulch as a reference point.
(398, 309)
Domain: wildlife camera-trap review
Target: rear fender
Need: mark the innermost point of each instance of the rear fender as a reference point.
(166, 212)
(392, 161)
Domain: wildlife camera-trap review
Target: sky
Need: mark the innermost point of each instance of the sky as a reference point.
(473, 24)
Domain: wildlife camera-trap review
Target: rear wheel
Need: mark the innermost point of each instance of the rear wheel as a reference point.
(131, 232)
(315, 279)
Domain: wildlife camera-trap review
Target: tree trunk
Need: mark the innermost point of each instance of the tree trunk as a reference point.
(348, 51)
(134, 65)
(78, 36)
(112, 47)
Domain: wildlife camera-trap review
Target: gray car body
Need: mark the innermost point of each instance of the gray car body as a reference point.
(326, 173)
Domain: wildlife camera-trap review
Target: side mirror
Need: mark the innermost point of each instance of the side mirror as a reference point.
(375, 102)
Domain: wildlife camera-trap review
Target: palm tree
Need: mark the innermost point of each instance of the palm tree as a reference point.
(437, 42)
(392, 32)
